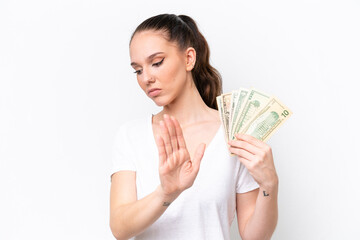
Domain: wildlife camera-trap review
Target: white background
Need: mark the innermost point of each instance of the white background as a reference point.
(66, 85)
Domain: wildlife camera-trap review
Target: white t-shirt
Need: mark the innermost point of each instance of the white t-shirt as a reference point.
(203, 211)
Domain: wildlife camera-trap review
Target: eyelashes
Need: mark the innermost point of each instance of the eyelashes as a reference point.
(158, 63)
(155, 65)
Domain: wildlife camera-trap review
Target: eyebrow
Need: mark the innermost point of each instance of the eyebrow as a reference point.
(148, 58)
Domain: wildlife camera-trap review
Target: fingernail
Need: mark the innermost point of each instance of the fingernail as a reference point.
(165, 115)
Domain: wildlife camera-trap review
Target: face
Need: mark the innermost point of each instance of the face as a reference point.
(159, 64)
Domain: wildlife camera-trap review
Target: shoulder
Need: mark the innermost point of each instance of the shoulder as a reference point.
(133, 127)
(134, 123)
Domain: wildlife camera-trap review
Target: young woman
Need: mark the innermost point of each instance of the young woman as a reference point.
(173, 176)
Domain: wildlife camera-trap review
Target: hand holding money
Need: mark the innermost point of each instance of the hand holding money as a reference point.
(251, 112)
(257, 158)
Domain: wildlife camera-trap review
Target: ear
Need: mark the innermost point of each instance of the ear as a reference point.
(190, 58)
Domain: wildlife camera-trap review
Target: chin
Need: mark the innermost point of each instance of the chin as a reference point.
(161, 101)
(158, 102)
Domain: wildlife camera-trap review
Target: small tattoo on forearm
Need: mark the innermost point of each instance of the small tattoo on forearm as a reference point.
(166, 204)
(265, 195)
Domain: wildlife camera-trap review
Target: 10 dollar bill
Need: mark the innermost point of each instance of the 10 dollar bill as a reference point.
(250, 111)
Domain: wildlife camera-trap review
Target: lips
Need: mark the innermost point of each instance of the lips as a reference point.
(154, 92)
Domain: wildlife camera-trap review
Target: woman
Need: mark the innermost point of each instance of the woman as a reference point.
(173, 176)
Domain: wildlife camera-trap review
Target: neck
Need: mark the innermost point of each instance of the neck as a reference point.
(188, 108)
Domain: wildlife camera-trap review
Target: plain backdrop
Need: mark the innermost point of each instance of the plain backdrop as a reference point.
(66, 85)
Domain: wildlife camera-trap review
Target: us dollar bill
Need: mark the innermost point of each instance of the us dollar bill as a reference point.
(234, 98)
(264, 123)
(236, 108)
(255, 101)
(226, 102)
(221, 115)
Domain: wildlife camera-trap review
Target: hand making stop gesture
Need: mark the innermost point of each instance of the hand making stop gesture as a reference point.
(177, 171)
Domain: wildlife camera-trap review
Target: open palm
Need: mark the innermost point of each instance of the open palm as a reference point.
(177, 171)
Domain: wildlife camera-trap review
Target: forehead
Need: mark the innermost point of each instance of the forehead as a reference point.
(147, 42)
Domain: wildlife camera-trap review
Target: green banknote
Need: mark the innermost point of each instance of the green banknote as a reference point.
(253, 104)
(226, 101)
(265, 122)
(250, 111)
(236, 107)
(234, 99)
(221, 115)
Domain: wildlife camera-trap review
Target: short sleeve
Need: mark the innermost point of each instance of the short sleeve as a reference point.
(121, 149)
(245, 181)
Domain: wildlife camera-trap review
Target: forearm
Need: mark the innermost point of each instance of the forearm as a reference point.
(131, 219)
(262, 223)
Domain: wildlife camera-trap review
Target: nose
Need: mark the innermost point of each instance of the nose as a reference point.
(147, 76)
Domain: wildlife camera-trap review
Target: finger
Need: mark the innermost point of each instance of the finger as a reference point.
(172, 132)
(245, 162)
(250, 139)
(242, 153)
(161, 149)
(179, 134)
(166, 138)
(246, 146)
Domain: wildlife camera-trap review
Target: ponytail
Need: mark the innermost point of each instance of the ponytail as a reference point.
(184, 31)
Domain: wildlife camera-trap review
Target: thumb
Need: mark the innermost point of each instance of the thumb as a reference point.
(199, 153)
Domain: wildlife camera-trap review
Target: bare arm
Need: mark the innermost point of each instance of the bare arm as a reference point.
(257, 210)
(257, 213)
(129, 216)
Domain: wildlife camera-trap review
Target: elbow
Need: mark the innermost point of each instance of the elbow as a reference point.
(118, 227)
(257, 236)
(118, 232)
(118, 235)
(121, 238)
(115, 233)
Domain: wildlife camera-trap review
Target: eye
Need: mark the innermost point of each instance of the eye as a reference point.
(158, 63)
(138, 72)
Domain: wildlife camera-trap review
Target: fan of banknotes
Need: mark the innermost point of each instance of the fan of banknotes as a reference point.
(252, 112)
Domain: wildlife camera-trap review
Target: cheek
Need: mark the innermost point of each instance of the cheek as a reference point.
(173, 83)
(179, 82)
(175, 78)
